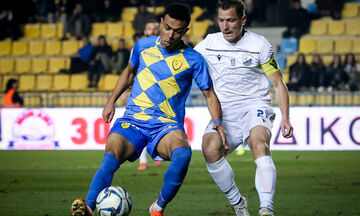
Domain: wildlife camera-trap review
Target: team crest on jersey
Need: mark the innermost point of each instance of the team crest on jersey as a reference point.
(246, 59)
(125, 125)
(176, 64)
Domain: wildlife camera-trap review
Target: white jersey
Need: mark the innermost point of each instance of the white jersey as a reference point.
(239, 70)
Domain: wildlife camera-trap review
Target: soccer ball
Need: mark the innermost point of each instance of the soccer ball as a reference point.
(113, 201)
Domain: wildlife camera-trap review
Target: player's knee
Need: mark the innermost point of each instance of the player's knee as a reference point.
(212, 153)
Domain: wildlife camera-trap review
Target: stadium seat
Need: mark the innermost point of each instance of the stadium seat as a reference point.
(324, 46)
(336, 27)
(350, 10)
(323, 99)
(159, 10)
(305, 99)
(343, 99)
(288, 45)
(352, 27)
(197, 11)
(48, 31)
(114, 30)
(5, 48)
(56, 64)
(59, 31)
(32, 31)
(98, 29)
(52, 48)
(343, 45)
(128, 14)
(327, 59)
(26, 82)
(356, 45)
(23, 65)
(6, 65)
(43, 82)
(36, 48)
(293, 99)
(290, 60)
(318, 27)
(61, 82)
(78, 82)
(199, 28)
(307, 45)
(69, 47)
(6, 78)
(109, 81)
(282, 61)
(39, 65)
(128, 30)
(19, 48)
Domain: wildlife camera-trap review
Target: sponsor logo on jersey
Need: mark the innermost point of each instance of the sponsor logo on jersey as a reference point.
(218, 57)
(152, 55)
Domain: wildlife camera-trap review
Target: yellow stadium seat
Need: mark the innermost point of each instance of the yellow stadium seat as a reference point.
(6, 65)
(98, 29)
(129, 44)
(39, 65)
(336, 27)
(43, 82)
(197, 11)
(327, 59)
(323, 99)
(36, 48)
(305, 99)
(19, 48)
(32, 31)
(199, 28)
(343, 45)
(356, 45)
(5, 48)
(308, 59)
(307, 45)
(109, 81)
(324, 46)
(114, 30)
(6, 78)
(350, 9)
(69, 47)
(27, 82)
(290, 60)
(61, 82)
(48, 31)
(159, 10)
(59, 30)
(52, 48)
(318, 27)
(293, 99)
(343, 99)
(128, 30)
(352, 27)
(78, 82)
(128, 14)
(23, 65)
(56, 64)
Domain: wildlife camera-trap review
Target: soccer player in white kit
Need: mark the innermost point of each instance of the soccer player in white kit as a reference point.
(241, 64)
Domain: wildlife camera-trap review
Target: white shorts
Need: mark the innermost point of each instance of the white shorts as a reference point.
(239, 122)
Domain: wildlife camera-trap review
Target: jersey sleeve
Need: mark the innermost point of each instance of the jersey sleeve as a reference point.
(201, 74)
(134, 55)
(267, 59)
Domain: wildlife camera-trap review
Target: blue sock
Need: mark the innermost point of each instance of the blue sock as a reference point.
(174, 176)
(102, 178)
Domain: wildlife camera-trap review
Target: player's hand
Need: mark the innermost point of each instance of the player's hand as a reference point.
(108, 112)
(219, 128)
(286, 128)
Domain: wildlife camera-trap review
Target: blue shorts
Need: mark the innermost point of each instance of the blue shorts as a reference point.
(143, 135)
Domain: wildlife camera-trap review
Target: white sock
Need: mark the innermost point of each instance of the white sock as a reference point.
(223, 175)
(157, 207)
(142, 157)
(265, 180)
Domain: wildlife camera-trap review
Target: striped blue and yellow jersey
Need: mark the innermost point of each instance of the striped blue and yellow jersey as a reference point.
(163, 81)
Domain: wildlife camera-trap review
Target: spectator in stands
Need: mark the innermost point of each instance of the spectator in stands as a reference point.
(297, 21)
(8, 27)
(100, 61)
(351, 69)
(299, 74)
(107, 12)
(141, 18)
(319, 78)
(120, 58)
(330, 8)
(337, 76)
(79, 23)
(12, 98)
(44, 9)
(80, 59)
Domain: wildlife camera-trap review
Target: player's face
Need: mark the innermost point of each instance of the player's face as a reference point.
(151, 29)
(231, 24)
(171, 31)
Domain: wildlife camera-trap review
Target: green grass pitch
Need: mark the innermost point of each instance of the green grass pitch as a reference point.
(44, 183)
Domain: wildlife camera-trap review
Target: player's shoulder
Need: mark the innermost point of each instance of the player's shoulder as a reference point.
(146, 42)
(256, 39)
(192, 55)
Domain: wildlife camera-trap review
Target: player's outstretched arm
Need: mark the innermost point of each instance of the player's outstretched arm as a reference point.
(282, 96)
(124, 81)
(216, 113)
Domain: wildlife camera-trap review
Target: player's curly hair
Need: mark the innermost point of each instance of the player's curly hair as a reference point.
(237, 4)
(179, 11)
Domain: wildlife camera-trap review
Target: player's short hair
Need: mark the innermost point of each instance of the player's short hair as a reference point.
(151, 21)
(179, 11)
(237, 4)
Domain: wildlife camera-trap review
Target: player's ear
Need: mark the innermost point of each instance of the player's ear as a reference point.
(243, 20)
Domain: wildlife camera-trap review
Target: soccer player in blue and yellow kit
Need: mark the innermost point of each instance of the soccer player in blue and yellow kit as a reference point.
(161, 69)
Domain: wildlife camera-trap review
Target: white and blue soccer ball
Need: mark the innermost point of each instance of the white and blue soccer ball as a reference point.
(113, 201)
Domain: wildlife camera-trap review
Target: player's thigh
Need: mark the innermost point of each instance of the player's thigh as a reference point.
(171, 141)
(120, 147)
(259, 141)
(212, 147)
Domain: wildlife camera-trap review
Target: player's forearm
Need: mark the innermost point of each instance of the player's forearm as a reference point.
(122, 84)
(282, 96)
(213, 104)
